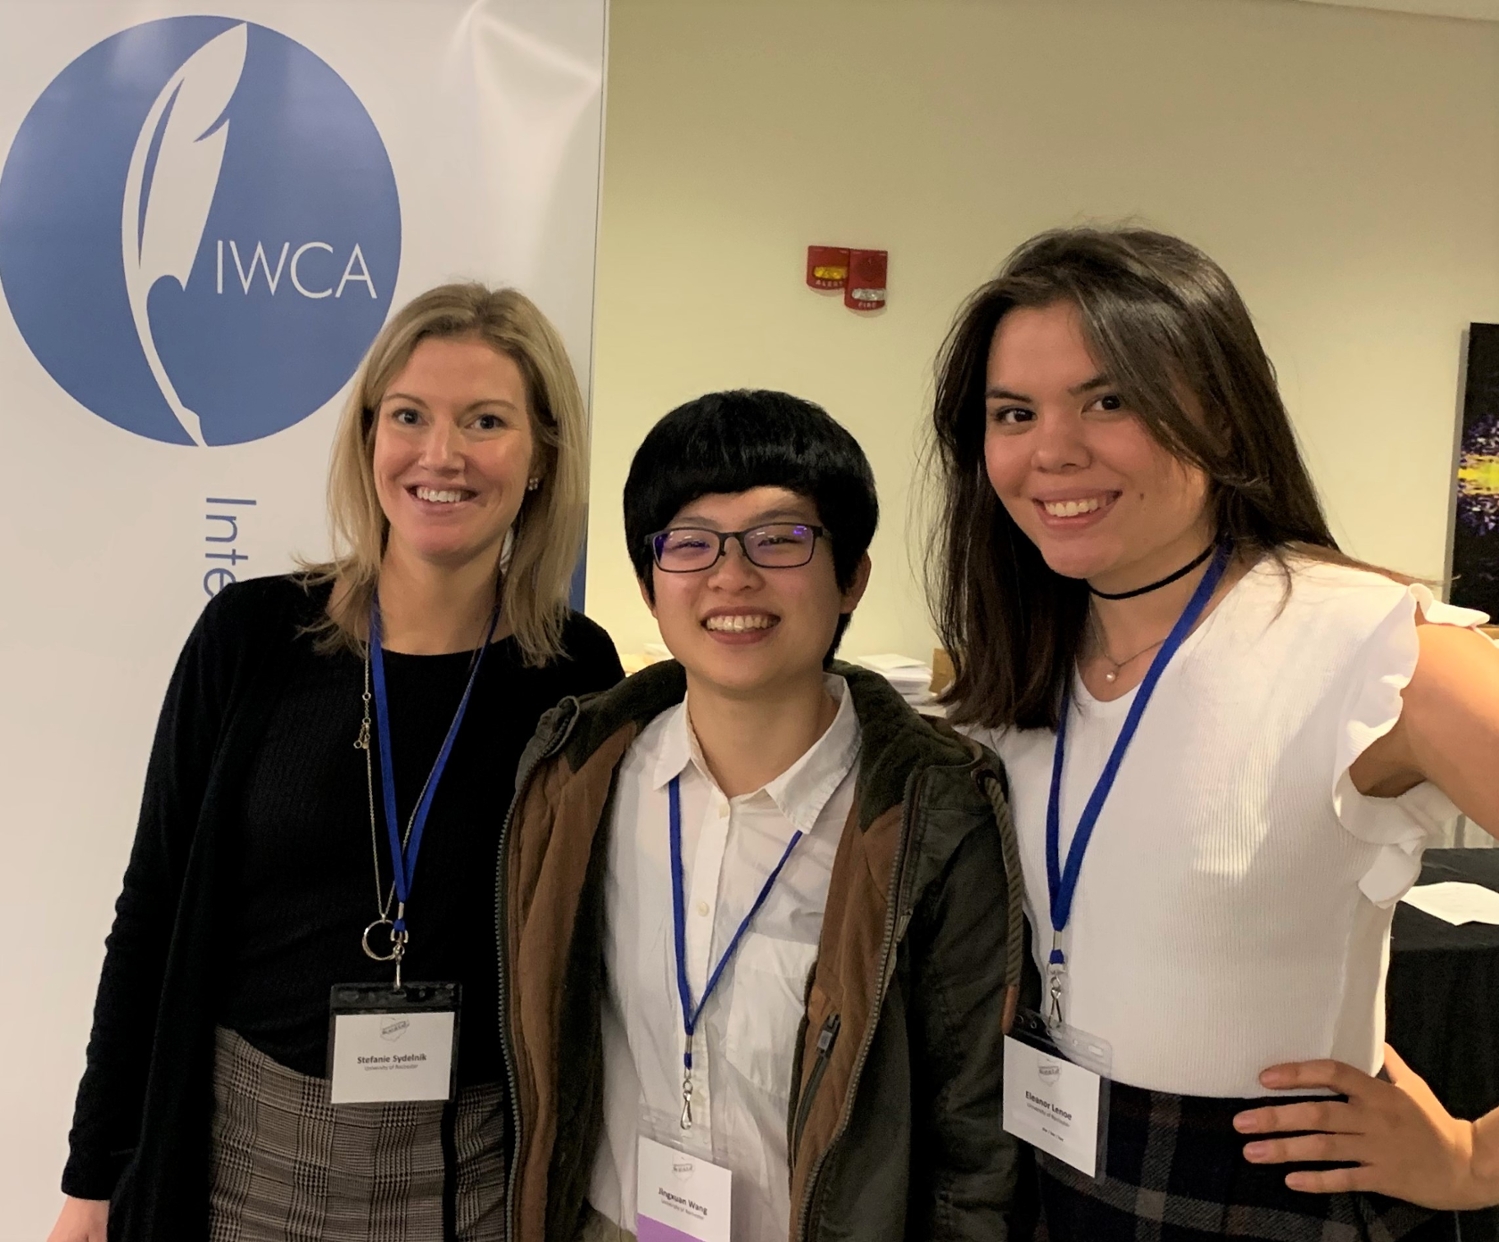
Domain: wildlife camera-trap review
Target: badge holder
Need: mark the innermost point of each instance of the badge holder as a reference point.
(680, 1196)
(1056, 1091)
(393, 1044)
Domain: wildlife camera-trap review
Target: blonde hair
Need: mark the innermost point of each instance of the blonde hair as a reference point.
(548, 531)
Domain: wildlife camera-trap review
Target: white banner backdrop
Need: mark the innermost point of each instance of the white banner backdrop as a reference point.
(204, 219)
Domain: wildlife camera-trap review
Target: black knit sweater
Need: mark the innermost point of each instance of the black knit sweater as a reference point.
(251, 876)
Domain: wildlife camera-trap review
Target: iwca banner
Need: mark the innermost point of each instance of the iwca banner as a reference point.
(205, 217)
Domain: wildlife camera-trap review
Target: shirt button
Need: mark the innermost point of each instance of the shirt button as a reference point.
(723, 811)
(702, 908)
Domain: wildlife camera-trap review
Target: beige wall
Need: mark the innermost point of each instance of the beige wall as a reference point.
(1342, 164)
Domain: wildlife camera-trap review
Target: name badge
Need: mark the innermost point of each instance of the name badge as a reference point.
(392, 1045)
(679, 1197)
(1056, 1091)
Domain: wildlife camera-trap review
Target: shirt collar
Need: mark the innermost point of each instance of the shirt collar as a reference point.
(803, 789)
(676, 749)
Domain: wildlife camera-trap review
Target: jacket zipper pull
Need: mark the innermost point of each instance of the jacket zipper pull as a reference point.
(826, 1038)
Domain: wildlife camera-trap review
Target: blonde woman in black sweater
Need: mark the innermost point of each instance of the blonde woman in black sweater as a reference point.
(311, 718)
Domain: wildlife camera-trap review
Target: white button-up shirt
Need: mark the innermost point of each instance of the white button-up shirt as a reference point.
(746, 1036)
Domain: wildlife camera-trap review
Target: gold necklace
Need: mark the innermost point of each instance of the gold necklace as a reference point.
(1098, 642)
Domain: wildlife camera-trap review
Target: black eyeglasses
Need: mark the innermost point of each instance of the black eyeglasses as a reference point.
(777, 545)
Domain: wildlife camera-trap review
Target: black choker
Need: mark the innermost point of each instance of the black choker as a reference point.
(1166, 581)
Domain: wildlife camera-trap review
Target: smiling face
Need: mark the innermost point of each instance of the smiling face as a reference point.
(1078, 471)
(453, 452)
(742, 630)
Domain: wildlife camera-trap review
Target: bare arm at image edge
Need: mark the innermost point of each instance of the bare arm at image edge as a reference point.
(1397, 1135)
(1448, 730)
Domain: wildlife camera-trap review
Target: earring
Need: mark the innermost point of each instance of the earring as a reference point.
(532, 484)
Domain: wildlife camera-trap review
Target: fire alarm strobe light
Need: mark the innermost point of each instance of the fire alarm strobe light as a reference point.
(827, 267)
(865, 290)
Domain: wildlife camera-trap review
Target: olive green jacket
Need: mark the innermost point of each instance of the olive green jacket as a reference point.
(894, 1126)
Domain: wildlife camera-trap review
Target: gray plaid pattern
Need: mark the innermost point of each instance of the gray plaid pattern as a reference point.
(1175, 1173)
(1152, 1208)
(287, 1166)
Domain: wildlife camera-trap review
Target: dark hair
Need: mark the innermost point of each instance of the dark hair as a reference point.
(1163, 321)
(727, 442)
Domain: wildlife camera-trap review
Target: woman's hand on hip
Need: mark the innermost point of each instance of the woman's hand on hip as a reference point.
(81, 1220)
(1396, 1134)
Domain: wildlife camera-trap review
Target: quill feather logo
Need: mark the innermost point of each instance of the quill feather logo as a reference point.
(174, 171)
(199, 230)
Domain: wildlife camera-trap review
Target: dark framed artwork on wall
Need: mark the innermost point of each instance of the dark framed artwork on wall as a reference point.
(1474, 565)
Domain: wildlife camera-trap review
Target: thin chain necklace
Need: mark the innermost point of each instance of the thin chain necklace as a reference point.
(384, 898)
(1098, 640)
(1098, 643)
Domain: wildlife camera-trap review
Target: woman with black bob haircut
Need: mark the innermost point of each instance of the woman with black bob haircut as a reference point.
(702, 448)
(754, 910)
(1228, 745)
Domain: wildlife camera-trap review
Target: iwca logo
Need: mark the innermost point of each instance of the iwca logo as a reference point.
(199, 230)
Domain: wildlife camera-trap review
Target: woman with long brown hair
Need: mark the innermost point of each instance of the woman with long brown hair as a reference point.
(1227, 743)
(297, 1032)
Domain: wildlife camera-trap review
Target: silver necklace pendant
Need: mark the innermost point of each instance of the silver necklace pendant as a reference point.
(1111, 677)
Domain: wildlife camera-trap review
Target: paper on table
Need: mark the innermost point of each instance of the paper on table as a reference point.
(1456, 902)
(889, 663)
(909, 676)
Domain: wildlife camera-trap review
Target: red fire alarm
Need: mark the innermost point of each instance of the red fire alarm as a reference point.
(827, 267)
(865, 290)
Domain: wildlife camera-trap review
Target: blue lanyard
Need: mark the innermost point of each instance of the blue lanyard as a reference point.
(403, 861)
(691, 1013)
(1061, 881)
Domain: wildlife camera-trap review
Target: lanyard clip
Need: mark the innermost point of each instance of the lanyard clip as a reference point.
(398, 938)
(1054, 1013)
(1056, 972)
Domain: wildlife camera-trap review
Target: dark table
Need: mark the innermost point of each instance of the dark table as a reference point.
(1442, 1002)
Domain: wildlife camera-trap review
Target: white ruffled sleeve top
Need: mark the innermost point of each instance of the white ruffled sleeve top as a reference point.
(1234, 906)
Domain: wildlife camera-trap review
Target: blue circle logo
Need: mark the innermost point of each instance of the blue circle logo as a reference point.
(199, 230)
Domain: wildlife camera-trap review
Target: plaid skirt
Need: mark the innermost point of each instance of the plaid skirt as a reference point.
(1175, 1172)
(287, 1166)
